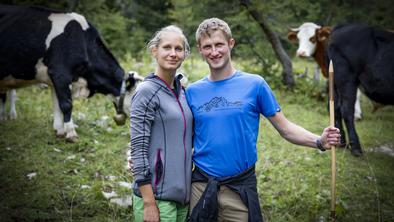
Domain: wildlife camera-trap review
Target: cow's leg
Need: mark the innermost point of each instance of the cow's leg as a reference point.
(338, 121)
(345, 84)
(12, 96)
(347, 110)
(338, 116)
(357, 106)
(3, 97)
(58, 125)
(63, 96)
(346, 93)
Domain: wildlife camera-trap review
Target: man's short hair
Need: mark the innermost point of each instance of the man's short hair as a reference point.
(208, 26)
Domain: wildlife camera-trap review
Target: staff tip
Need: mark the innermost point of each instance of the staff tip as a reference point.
(331, 67)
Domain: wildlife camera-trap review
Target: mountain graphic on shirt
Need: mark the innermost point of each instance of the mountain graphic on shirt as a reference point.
(219, 103)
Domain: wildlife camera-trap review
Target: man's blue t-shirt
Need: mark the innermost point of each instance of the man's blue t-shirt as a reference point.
(226, 121)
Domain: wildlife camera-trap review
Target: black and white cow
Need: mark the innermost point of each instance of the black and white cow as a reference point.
(63, 50)
(124, 105)
(363, 58)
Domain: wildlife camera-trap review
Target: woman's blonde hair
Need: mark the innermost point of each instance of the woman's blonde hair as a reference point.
(155, 41)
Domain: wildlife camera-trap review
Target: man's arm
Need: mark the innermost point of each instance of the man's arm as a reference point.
(300, 136)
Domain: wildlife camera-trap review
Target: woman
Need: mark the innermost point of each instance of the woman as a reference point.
(161, 134)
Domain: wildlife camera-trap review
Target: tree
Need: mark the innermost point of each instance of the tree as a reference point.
(251, 44)
(72, 4)
(287, 73)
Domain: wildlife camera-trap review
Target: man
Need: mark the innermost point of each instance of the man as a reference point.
(226, 106)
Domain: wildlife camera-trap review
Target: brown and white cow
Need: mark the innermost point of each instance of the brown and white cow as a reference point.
(312, 41)
(363, 57)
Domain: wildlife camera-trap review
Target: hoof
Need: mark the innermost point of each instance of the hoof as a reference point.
(358, 119)
(60, 135)
(13, 116)
(343, 142)
(356, 152)
(72, 139)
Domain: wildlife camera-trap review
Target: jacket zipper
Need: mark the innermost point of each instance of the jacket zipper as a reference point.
(184, 128)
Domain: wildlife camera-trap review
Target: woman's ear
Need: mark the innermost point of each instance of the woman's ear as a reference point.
(154, 51)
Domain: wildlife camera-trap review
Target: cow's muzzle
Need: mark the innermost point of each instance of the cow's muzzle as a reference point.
(120, 117)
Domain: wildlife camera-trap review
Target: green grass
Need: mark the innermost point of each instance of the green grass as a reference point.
(293, 181)
(28, 144)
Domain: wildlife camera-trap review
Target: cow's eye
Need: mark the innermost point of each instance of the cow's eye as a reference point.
(312, 39)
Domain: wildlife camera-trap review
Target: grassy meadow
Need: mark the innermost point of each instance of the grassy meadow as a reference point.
(43, 178)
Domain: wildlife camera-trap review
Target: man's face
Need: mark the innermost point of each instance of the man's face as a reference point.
(216, 49)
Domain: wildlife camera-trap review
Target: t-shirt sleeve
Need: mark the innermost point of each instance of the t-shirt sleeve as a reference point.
(188, 97)
(267, 104)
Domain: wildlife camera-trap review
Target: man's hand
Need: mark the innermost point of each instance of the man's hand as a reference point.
(330, 137)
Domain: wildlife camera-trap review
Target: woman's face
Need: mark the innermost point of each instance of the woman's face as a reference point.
(170, 52)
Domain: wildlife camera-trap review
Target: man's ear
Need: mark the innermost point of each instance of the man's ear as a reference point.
(198, 48)
(231, 43)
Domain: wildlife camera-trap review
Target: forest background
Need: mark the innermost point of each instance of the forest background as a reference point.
(259, 27)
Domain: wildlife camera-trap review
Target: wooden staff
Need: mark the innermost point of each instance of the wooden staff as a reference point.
(333, 155)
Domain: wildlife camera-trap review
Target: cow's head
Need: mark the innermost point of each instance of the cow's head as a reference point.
(308, 35)
(123, 102)
(104, 74)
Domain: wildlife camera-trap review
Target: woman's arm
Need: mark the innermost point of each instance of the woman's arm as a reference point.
(142, 115)
(143, 109)
(151, 211)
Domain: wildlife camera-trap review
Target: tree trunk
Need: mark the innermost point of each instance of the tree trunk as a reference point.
(281, 55)
(72, 4)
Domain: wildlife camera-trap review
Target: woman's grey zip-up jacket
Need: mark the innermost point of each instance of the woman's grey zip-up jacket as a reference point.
(161, 139)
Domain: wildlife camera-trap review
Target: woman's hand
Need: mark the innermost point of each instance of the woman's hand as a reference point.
(151, 212)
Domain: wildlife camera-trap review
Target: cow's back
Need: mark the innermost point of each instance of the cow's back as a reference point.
(369, 53)
(355, 43)
(22, 40)
(378, 79)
